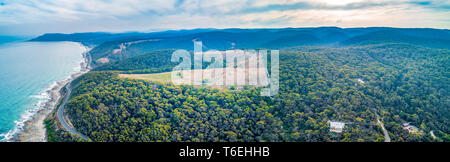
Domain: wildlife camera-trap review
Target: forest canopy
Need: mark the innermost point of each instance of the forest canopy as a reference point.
(398, 82)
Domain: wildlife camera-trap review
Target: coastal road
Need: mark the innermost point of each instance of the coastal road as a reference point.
(61, 118)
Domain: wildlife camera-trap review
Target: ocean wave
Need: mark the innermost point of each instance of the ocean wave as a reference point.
(28, 114)
(44, 98)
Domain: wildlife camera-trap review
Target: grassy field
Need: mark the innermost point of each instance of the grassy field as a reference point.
(217, 78)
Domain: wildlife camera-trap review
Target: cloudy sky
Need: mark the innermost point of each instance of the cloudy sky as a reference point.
(32, 17)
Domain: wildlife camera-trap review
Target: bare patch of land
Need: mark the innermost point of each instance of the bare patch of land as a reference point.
(158, 77)
(216, 78)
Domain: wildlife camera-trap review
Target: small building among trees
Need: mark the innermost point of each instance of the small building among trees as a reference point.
(337, 127)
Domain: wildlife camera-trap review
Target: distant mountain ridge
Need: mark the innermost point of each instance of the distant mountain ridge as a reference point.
(117, 46)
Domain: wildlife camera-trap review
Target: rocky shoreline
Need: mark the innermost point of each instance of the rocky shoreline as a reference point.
(34, 129)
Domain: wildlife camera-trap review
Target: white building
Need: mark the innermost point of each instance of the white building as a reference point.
(360, 81)
(337, 127)
(411, 128)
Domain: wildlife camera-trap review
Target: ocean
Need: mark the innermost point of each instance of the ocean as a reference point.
(27, 71)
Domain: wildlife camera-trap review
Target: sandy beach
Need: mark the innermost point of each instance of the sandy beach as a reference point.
(34, 129)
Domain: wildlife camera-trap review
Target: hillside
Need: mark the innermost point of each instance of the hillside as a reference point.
(435, 39)
(152, 62)
(400, 82)
(110, 47)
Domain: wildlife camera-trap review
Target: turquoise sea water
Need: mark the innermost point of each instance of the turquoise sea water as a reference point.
(27, 71)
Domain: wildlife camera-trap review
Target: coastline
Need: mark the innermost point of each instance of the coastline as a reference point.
(33, 129)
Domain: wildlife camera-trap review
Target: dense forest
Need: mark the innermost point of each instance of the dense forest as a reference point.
(152, 62)
(399, 82)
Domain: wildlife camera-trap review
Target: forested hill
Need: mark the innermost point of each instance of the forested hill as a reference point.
(401, 83)
(110, 47)
(363, 77)
(151, 62)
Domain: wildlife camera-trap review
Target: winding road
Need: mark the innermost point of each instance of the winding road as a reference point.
(385, 132)
(61, 118)
(387, 138)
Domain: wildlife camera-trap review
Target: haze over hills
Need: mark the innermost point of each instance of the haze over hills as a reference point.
(108, 45)
(7, 39)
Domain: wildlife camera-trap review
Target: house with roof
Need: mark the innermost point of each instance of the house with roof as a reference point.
(411, 128)
(336, 126)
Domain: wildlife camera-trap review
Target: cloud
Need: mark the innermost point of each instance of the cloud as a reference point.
(36, 17)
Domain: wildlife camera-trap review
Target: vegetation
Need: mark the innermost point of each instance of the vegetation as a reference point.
(152, 62)
(399, 82)
(350, 75)
(58, 135)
